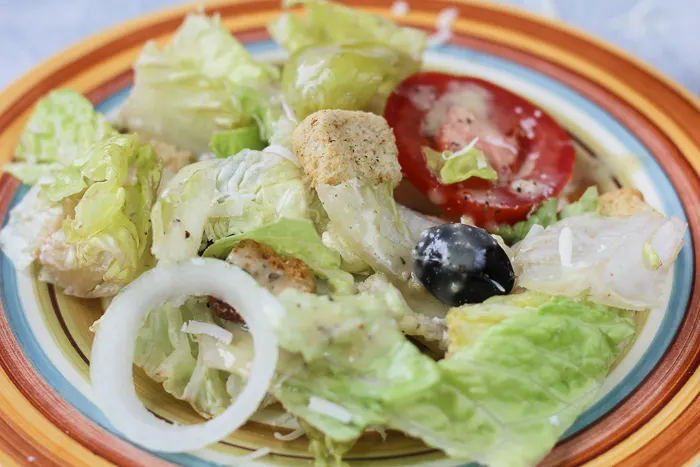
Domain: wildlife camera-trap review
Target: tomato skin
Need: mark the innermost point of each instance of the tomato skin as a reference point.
(543, 165)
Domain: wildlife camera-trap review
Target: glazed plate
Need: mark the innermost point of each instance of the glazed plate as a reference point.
(619, 113)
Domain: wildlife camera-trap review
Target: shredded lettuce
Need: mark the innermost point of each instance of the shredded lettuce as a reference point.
(328, 23)
(218, 198)
(62, 128)
(546, 214)
(202, 82)
(456, 167)
(107, 195)
(297, 238)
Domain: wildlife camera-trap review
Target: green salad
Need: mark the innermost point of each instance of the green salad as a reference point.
(241, 215)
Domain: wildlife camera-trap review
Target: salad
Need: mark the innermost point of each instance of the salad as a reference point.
(241, 220)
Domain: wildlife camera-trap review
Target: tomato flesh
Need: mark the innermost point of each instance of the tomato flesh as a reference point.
(533, 156)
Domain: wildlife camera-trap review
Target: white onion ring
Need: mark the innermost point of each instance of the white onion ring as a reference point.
(115, 343)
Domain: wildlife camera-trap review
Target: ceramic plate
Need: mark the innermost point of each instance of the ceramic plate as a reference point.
(618, 112)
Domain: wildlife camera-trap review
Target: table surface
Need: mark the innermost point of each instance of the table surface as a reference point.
(664, 33)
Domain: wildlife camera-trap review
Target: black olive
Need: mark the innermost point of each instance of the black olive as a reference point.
(462, 264)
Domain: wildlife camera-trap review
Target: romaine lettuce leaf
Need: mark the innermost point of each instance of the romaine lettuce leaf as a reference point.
(297, 238)
(202, 82)
(456, 167)
(107, 195)
(218, 198)
(62, 128)
(367, 219)
(328, 23)
(521, 384)
(546, 214)
(350, 77)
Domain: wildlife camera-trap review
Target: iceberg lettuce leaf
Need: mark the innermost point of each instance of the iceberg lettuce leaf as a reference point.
(456, 167)
(219, 198)
(607, 259)
(327, 23)
(104, 239)
(368, 220)
(202, 82)
(350, 77)
(61, 129)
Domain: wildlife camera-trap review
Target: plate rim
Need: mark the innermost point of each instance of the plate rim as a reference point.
(74, 53)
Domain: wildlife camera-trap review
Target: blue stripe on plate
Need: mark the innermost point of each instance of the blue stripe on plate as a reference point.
(672, 205)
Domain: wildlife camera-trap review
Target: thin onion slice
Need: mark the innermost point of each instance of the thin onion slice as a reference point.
(115, 343)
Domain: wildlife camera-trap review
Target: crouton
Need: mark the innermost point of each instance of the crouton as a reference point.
(623, 202)
(335, 146)
(273, 271)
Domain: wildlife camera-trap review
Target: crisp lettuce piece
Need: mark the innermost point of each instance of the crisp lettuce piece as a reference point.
(297, 238)
(588, 202)
(355, 356)
(351, 262)
(107, 195)
(520, 385)
(229, 143)
(467, 323)
(202, 82)
(546, 215)
(328, 23)
(368, 220)
(218, 198)
(429, 329)
(350, 77)
(456, 167)
(62, 128)
(604, 258)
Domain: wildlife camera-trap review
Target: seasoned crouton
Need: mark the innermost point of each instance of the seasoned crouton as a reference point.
(622, 203)
(335, 146)
(273, 271)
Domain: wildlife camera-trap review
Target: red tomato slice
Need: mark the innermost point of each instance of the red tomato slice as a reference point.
(533, 156)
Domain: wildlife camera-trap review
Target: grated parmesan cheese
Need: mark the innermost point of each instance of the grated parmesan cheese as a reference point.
(330, 409)
(566, 246)
(209, 329)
